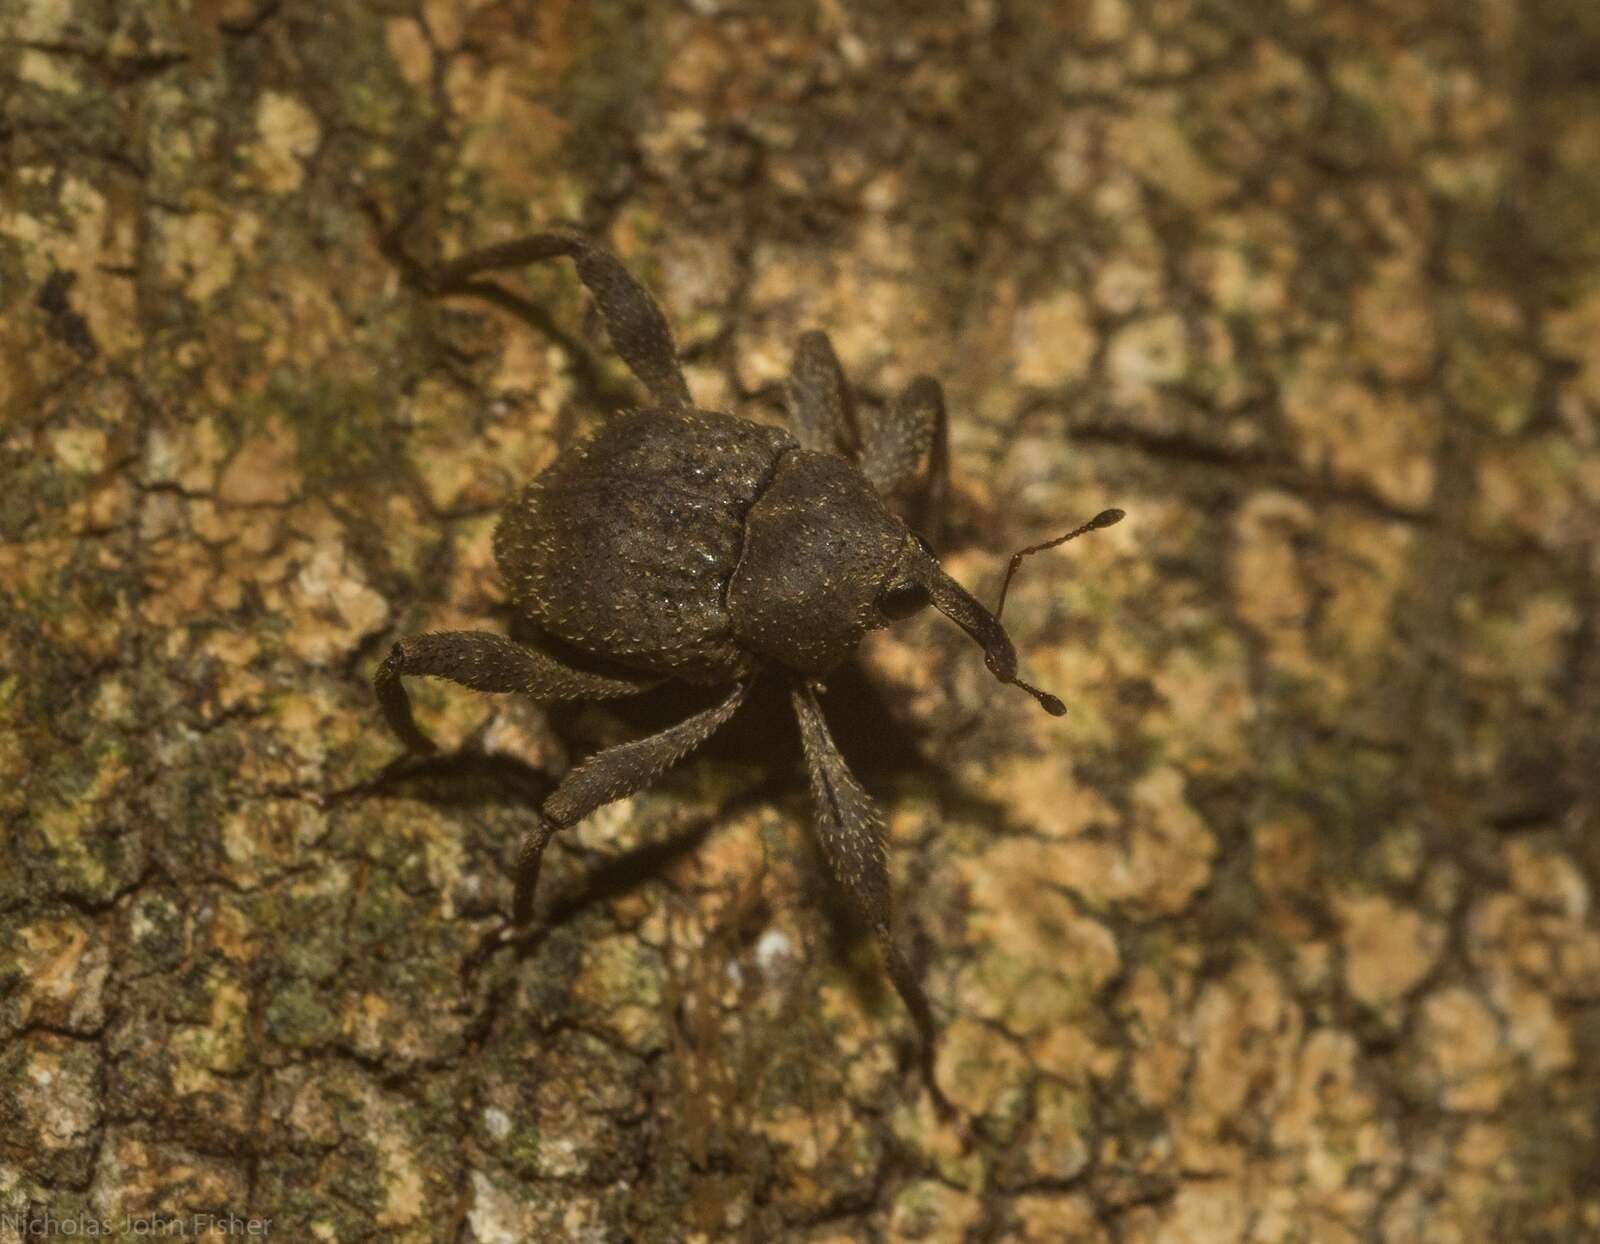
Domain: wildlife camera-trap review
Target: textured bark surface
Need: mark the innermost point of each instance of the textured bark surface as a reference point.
(1285, 933)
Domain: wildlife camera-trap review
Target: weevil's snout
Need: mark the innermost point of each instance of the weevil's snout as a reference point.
(999, 654)
(1001, 658)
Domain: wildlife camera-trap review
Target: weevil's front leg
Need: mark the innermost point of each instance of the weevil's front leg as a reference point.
(821, 411)
(609, 775)
(909, 440)
(638, 328)
(853, 840)
(485, 661)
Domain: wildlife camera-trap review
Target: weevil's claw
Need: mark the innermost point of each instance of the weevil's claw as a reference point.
(388, 234)
(496, 939)
(418, 746)
(396, 704)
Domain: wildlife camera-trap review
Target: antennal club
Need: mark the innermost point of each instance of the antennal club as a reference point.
(1051, 704)
(1106, 518)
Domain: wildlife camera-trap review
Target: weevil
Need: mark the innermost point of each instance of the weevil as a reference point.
(695, 545)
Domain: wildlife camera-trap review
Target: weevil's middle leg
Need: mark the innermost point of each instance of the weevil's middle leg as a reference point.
(608, 775)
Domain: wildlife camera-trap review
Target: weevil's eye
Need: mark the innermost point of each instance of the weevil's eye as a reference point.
(901, 600)
(926, 547)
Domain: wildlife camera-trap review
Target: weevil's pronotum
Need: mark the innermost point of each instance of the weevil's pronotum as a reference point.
(688, 544)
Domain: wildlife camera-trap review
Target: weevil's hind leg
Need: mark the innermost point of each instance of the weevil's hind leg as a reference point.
(637, 326)
(853, 840)
(910, 440)
(821, 412)
(608, 775)
(485, 661)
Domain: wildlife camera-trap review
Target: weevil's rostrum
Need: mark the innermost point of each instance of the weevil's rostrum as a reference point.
(697, 546)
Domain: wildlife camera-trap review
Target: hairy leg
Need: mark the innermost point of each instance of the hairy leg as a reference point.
(853, 839)
(906, 448)
(634, 320)
(485, 661)
(821, 412)
(609, 775)
(902, 449)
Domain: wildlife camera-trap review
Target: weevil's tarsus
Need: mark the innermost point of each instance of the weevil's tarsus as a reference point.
(530, 854)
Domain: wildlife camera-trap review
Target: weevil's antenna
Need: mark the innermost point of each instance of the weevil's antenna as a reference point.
(1051, 704)
(954, 601)
(1106, 518)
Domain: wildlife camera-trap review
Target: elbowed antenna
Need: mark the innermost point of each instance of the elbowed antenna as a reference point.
(957, 604)
(1106, 518)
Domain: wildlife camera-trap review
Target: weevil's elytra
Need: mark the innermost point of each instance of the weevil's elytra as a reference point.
(696, 546)
(575, 551)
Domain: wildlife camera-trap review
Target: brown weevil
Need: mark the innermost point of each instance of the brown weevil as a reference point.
(698, 546)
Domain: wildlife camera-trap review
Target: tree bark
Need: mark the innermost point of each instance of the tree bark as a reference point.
(1285, 932)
